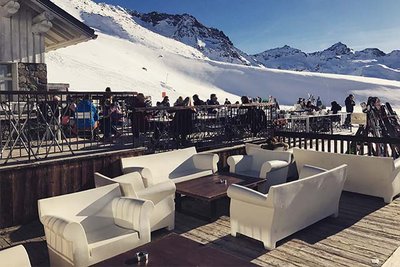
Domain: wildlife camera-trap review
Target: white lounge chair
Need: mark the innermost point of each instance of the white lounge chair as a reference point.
(162, 195)
(262, 163)
(287, 208)
(91, 226)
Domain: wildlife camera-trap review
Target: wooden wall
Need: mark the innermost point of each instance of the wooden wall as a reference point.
(17, 42)
(21, 186)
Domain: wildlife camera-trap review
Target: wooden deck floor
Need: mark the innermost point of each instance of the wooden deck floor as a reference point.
(366, 233)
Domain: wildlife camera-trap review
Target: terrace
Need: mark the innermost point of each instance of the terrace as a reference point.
(35, 159)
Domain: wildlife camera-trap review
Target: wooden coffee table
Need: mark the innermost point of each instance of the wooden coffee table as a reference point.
(175, 250)
(209, 189)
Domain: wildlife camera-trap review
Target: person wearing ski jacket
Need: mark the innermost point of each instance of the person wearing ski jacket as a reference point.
(349, 102)
(85, 105)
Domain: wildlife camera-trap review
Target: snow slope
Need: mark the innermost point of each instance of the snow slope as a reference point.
(128, 57)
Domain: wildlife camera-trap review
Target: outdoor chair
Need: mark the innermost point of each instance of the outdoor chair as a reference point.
(162, 195)
(261, 163)
(287, 208)
(91, 226)
(373, 176)
(14, 257)
(178, 165)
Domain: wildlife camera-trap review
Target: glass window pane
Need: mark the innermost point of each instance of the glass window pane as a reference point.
(5, 71)
(5, 85)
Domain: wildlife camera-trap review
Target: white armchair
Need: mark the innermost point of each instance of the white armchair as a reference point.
(287, 208)
(91, 226)
(262, 163)
(14, 257)
(162, 195)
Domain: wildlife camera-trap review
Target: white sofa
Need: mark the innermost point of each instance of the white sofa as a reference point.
(270, 164)
(374, 176)
(287, 208)
(14, 257)
(91, 226)
(162, 195)
(178, 165)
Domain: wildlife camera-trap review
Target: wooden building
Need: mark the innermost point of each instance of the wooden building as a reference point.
(29, 29)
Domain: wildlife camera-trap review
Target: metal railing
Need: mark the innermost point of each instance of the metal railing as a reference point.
(311, 123)
(165, 128)
(40, 125)
(344, 144)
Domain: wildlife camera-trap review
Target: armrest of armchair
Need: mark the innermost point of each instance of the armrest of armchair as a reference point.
(206, 161)
(70, 231)
(158, 192)
(146, 174)
(272, 165)
(239, 162)
(133, 214)
(247, 195)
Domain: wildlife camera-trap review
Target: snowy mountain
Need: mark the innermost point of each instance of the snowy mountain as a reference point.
(338, 58)
(129, 57)
(185, 28)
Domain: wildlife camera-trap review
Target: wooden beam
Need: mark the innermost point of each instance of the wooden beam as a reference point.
(9, 8)
(50, 36)
(63, 32)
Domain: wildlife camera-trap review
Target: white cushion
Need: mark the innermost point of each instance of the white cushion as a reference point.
(14, 257)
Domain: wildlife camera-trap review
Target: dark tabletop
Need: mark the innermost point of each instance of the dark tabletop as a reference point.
(209, 187)
(175, 250)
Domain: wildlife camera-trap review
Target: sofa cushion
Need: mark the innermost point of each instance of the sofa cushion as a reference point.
(103, 242)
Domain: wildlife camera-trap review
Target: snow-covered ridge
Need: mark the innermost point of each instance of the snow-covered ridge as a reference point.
(128, 57)
(185, 28)
(339, 59)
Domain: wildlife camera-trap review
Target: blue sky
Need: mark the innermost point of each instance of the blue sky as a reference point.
(310, 25)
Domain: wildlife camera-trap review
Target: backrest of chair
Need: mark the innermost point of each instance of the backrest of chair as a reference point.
(308, 170)
(130, 183)
(261, 155)
(304, 200)
(160, 164)
(365, 174)
(79, 205)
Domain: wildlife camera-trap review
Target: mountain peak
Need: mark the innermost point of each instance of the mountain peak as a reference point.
(185, 28)
(339, 49)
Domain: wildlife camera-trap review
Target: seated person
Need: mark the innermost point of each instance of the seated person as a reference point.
(272, 143)
(311, 107)
(197, 101)
(335, 107)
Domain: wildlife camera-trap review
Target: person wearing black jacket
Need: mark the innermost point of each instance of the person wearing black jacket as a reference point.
(349, 102)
